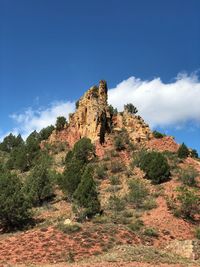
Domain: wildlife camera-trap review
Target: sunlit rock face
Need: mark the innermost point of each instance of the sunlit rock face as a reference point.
(93, 119)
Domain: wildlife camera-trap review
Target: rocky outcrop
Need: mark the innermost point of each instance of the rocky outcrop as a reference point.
(135, 126)
(167, 143)
(94, 119)
(185, 248)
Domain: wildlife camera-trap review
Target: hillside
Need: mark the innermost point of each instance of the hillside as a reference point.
(120, 194)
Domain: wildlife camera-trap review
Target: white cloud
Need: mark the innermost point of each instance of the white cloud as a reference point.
(32, 120)
(160, 104)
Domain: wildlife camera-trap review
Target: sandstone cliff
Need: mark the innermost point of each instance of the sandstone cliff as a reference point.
(93, 119)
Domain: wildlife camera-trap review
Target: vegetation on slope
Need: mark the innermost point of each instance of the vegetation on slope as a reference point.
(109, 191)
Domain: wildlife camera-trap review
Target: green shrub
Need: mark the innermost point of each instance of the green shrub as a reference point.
(113, 153)
(46, 132)
(58, 147)
(136, 226)
(14, 206)
(60, 123)
(43, 158)
(151, 232)
(101, 171)
(156, 167)
(127, 214)
(194, 154)
(77, 104)
(38, 185)
(173, 160)
(70, 257)
(158, 135)
(138, 157)
(114, 180)
(188, 176)
(55, 177)
(101, 219)
(69, 157)
(197, 233)
(149, 203)
(183, 151)
(117, 167)
(187, 203)
(113, 188)
(113, 111)
(138, 192)
(119, 143)
(130, 108)
(106, 158)
(69, 228)
(83, 150)
(116, 203)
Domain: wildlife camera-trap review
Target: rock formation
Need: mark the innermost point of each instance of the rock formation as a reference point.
(93, 119)
(185, 248)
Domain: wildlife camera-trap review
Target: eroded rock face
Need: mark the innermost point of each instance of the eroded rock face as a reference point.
(185, 248)
(135, 126)
(94, 120)
(167, 143)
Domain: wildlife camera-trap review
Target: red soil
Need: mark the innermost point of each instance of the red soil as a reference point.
(49, 245)
(169, 226)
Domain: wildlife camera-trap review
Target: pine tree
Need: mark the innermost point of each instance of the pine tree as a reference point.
(14, 206)
(130, 108)
(71, 177)
(183, 151)
(60, 123)
(11, 142)
(83, 150)
(38, 185)
(86, 195)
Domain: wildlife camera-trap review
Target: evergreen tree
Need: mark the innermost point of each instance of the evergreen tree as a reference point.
(69, 157)
(11, 142)
(71, 177)
(113, 111)
(194, 154)
(20, 159)
(75, 162)
(86, 195)
(14, 206)
(32, 147)
(103, 128)
(183, 151)
(46, 132)
(83, 150)
(130, 108)
(38, 185)
(60, 123)
(156, 167)
(158, 135)
(23, 155)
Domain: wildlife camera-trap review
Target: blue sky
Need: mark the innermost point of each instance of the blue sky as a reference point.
(51, 51)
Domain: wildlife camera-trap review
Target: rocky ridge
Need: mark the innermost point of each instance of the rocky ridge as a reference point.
(94, 119)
